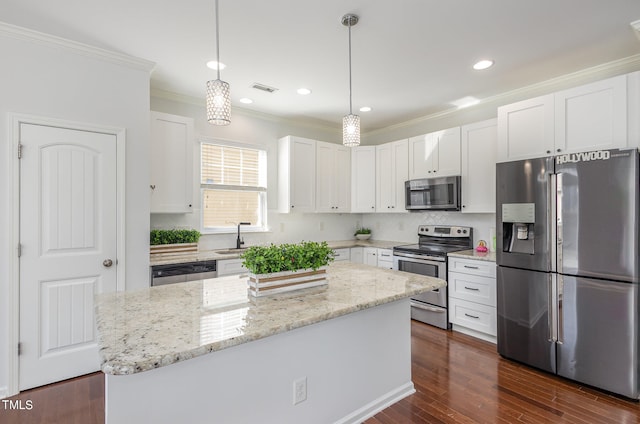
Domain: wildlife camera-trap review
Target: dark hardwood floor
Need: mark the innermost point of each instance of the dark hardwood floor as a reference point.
(459, 379)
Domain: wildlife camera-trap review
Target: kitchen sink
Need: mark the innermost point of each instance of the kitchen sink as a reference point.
(230, 251)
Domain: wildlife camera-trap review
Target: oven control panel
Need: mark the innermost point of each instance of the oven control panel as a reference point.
(444, 231)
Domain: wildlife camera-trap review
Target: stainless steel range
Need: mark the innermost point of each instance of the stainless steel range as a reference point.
(429, 257)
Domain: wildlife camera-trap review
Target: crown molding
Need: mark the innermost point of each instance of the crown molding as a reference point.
(605, 70)
(25, 34)
(197, 101)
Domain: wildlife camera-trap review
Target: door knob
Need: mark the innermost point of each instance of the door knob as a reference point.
(107, 263)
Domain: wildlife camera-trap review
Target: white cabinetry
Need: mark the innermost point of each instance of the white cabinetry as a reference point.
(479, 149)
(385, 258)
(171, 176)
(370, 256)
(230, 267)
(333, 177)
(357, 255)
(363, 179)
(435, 154)
(589, 117)
(472, 297)
(392, 170)
(341, 254)
(296, 175)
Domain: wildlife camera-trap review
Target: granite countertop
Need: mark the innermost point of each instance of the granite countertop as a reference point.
(472, 254)
(151, 328)
(205, 255)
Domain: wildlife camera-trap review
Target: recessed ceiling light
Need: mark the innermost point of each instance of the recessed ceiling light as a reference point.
(212, 64)
(246, 101)
(365, 109)
(304, 91)
(465, 102)
(483, 64)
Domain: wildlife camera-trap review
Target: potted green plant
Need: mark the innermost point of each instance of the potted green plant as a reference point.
(174, 241)
(285, 267)
(363, 233)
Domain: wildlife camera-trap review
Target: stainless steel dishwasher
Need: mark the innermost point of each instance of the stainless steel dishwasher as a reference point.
(182, 272)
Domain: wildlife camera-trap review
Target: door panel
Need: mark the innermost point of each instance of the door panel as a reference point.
(599, 335)
(67, 229)
(523, 317)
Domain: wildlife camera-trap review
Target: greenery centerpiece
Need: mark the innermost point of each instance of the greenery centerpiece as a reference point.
(174, 241)
(363, 233)
(285, 267)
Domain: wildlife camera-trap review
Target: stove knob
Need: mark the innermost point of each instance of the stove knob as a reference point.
(459, 231)
(464, 231)
(426, 230)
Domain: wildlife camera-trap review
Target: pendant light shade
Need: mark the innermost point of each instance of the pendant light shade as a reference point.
(218, 91)
(350, 122)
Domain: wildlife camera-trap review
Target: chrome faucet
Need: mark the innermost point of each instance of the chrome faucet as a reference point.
(239, 241)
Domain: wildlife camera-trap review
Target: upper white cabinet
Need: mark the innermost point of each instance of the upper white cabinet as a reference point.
(363, 179)
(333, 177)
(296, 174)
(592, 116)
(392, 163)
(171, 176)
(479, 149)
(436, 154)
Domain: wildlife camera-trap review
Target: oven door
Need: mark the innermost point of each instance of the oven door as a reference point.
(431, 268)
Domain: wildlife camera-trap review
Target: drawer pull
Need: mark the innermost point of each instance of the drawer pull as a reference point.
(471, 316)
(471, 267)
(471, 288)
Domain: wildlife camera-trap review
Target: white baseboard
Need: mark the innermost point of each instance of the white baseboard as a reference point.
(4, 392)
(474, 333)
(383, 402)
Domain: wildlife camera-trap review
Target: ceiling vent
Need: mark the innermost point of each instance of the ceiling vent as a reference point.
(263, 87)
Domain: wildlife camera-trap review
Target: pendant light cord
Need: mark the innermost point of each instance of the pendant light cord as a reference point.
(350, 103)
(218, 41)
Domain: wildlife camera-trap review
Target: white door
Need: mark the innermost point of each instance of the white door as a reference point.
(68, 236)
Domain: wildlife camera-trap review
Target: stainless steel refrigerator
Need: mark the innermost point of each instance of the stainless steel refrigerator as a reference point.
(567, 256)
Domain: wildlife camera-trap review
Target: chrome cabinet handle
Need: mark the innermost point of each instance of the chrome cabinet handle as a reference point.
(471, 288)
(107, 263)
(471, 316)
(471, 267)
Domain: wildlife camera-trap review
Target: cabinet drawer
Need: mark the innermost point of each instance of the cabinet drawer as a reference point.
(472, 288)
(342, 254)
(472, 315)
(230, 267)
(471, 266)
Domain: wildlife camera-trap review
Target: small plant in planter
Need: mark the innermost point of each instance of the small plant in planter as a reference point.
(286, 267)
(363, 233)
(173, 241)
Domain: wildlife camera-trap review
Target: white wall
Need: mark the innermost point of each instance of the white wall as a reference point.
(50, 80)
(263, 131)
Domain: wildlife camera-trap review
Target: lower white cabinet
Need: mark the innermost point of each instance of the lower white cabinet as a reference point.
(230, 267)
(385, 258)
(357, 255)
(370, 256)
(472, 297)
(342, 254)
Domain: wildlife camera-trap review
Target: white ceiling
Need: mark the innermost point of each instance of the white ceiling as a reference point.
(411, 58)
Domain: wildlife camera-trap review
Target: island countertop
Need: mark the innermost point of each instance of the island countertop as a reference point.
(151, 328)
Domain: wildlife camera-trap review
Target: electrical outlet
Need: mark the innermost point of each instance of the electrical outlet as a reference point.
(299, 390)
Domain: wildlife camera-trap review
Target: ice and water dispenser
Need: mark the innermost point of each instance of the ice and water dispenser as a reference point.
(518, 225)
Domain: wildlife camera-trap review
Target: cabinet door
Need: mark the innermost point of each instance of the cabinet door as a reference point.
(401, 174)
(371, 256)
(363, 179)
(171, 176)
(385, 258)
(526, 129)
(479, 149)
(325, 177)
(592, 116)
(422, 151)
(447, 160)
(297, 175)
(342, 179)
(357, 255)
(385, 188)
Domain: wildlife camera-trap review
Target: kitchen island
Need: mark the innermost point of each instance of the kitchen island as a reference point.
(205, 351)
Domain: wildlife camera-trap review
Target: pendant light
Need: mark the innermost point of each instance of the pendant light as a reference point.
(218, 94)
(350, 122)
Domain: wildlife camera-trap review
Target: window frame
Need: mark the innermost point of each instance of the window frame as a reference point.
(262, 190)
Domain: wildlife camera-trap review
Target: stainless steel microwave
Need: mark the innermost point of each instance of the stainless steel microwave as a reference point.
(433, 194)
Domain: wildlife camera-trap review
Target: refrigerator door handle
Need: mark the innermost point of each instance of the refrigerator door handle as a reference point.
(551, 213)
(560, 331)
(552, 317)
(559, 221)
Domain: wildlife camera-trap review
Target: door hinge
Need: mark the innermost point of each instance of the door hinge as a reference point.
(19, 250)
(19, 151)
(19, 349)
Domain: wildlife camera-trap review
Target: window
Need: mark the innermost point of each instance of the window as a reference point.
(234, 186)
